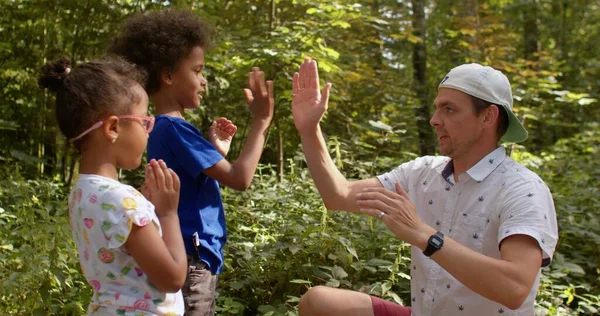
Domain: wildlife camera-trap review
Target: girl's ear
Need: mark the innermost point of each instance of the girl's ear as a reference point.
(111, 128)
(165, 76)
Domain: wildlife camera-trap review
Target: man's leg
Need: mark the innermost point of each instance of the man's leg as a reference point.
(322, 300)
(199, 289)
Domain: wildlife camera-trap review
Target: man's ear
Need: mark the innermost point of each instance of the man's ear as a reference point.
(111, 128)
(165, 76)
(491, 115)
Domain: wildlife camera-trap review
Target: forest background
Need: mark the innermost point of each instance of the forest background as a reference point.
(385, 59)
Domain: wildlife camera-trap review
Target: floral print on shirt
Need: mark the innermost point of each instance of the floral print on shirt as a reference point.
(102, 214)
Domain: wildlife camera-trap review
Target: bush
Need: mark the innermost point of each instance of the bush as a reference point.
(39, 266)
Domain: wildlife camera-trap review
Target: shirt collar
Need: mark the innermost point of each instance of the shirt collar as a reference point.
(479, 171)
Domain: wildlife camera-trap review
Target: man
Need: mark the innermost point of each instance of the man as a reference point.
(480, 224)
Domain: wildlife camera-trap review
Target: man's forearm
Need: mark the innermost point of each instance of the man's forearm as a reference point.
(332, 185)
(499, 280)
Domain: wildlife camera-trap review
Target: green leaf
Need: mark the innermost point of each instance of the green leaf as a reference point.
(338, 272)
(299, 281)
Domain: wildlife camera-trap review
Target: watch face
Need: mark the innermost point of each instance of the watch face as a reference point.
(436, 242)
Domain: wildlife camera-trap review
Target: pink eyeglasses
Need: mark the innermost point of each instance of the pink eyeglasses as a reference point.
(146, 121)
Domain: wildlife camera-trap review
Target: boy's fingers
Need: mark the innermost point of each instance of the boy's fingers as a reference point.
(270, 89)
(261, 83)
(248, 95)
(251, 81)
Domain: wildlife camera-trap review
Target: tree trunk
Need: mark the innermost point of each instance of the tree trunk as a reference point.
(530, 30)
(426, 140)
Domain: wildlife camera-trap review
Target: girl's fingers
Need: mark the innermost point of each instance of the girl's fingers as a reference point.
(176, 182)
(159, 175)
(150, 178)
(168, 177)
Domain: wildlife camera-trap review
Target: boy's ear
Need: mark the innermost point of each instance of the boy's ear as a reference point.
(165, 76)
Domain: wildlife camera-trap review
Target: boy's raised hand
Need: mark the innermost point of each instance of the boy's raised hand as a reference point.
(221, 133)
(309, 104)
(260, 95)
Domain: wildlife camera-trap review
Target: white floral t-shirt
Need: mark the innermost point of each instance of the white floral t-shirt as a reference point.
(102, 213)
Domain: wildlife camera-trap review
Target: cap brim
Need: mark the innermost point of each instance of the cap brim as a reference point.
(516, 132)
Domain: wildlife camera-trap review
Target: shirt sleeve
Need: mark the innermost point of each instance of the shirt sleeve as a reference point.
(404, 173)
(120, 210)
(192, 151)
(528, 209)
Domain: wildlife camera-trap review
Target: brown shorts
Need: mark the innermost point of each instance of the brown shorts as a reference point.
(387, 308)
(199, 290)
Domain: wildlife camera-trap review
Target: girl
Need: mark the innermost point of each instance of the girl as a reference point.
(130, 246)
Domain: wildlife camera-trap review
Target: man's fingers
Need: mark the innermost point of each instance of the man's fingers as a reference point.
(385, 197)
(375, 204)
(313, 75)
(296, 83)
(325, 94)
(401, 191)
(384, 191)
(371, 212)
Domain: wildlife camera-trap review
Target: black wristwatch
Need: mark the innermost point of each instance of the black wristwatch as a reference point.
(435, 243)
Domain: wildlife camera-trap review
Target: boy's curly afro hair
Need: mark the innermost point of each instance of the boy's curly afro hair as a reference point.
(160, 40)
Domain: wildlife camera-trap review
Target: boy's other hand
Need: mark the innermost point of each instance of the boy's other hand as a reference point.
(221, 133)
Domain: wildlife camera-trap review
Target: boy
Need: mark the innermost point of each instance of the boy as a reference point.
(170, 46)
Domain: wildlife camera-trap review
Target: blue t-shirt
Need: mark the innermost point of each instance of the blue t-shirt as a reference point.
(183, 148)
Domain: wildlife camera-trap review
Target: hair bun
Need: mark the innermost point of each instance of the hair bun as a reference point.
(53, 74)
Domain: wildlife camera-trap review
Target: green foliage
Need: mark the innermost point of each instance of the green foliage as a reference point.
(282, 241)
(572, 173)
(39, 266)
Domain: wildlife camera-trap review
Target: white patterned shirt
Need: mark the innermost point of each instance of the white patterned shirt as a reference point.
(102, 213)
(494, 199)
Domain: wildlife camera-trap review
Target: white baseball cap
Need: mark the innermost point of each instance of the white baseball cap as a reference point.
(490, 85)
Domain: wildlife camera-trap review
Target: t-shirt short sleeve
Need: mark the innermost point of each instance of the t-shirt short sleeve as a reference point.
(528, 209)
(192, 151)
(405, 172)
(120, 210)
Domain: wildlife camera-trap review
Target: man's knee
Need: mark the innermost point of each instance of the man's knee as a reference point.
(309, 302)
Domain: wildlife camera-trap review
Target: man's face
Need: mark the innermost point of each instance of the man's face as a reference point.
(457, 126)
